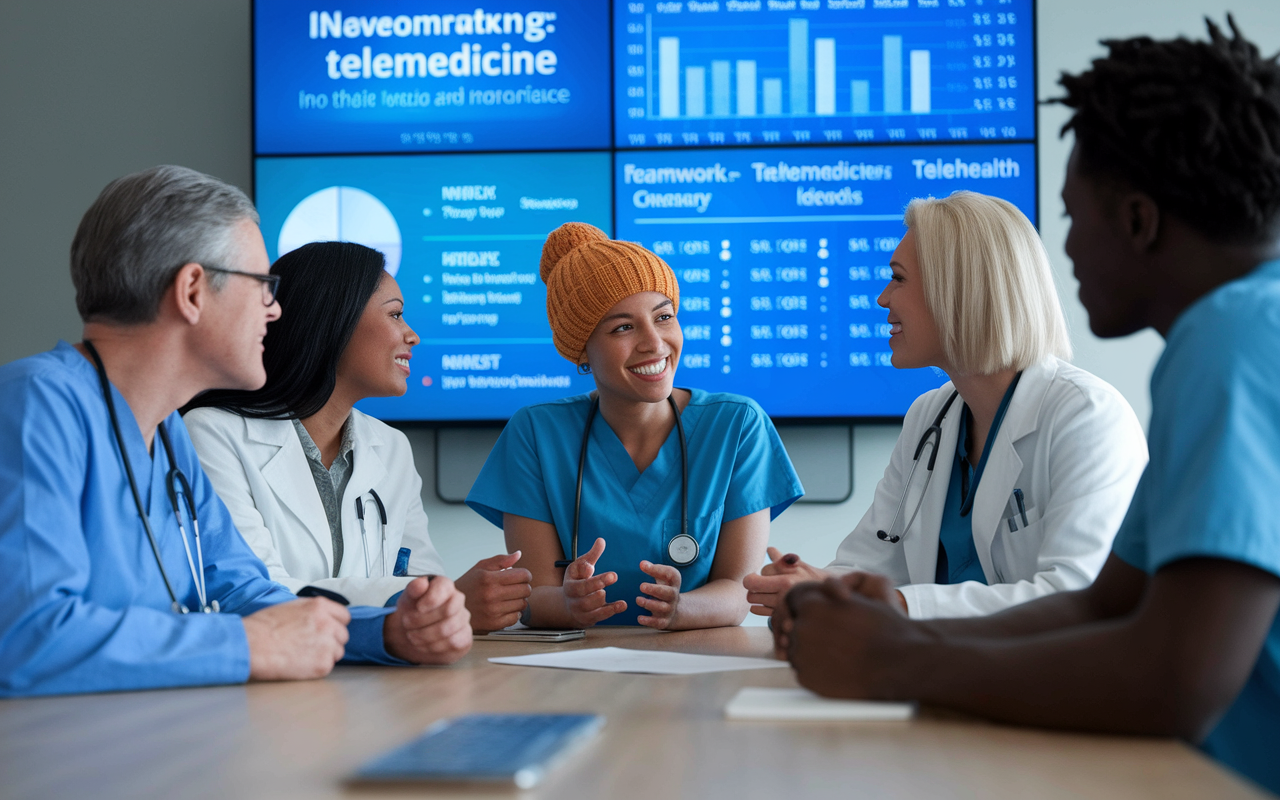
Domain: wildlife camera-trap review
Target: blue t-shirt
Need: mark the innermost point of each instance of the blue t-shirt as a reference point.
(737, 466)
(83, 607)
(1212, 488)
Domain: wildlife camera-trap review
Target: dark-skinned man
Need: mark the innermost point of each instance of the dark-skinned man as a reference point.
(1173, 189)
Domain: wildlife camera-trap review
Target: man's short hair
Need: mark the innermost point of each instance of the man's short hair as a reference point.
(1195, 125)
(141, 230)
(986, 280)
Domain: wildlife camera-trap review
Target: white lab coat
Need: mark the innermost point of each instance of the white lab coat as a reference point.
(260, 471)
(1069, 441)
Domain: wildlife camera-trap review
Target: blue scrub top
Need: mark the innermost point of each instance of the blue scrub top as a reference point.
(737, 466)
(82, 605)
(957, 554)
(1210, 489)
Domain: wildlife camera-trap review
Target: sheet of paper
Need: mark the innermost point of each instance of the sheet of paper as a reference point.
(652, 662)
(755, 702)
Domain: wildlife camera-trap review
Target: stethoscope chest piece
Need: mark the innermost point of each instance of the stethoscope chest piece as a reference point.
(682, 550)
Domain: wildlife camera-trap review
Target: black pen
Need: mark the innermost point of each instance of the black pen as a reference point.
(1022, 509)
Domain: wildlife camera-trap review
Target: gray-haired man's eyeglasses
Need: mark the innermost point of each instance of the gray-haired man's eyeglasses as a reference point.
(270, 283)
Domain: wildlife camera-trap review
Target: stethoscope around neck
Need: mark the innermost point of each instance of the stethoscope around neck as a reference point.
(932, 437)
(175, 483)
(683, 548)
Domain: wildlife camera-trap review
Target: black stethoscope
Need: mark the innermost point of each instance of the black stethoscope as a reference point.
(682, 549)
(931, 437)
(175, 483)
(364, 542)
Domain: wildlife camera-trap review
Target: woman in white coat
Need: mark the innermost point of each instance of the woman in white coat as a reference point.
(1009, 482)
(325, 495)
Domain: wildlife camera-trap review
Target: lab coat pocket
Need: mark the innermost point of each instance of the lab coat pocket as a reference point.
(389, 542)
(1016, 553)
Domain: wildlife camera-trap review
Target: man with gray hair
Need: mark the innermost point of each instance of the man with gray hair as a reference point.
(113, 544)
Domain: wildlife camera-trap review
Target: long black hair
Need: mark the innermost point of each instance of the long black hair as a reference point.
(324, 288)
(1194, 124)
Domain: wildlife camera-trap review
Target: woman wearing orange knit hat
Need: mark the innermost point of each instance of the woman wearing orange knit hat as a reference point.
(671, 489)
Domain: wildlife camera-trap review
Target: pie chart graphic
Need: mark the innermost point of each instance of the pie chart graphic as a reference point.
(343, 214)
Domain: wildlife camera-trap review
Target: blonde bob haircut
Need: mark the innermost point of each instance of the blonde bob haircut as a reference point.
(986, 280)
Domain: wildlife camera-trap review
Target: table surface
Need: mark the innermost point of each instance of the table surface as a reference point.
(666, 737)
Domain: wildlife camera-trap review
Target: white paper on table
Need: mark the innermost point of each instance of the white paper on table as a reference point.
(653, 662)
(753, 702)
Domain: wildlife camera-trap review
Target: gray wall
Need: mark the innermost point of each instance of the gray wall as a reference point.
(91, 90)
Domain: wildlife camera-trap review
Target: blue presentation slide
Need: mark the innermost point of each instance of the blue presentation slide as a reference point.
(406, 76)
(782, 252)
(786, 72)
(462, 235)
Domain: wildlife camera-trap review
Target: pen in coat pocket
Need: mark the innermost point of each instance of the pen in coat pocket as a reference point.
(1011, 514)
(1022, 508)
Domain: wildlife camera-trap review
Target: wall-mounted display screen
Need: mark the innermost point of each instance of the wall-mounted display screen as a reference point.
(410, 126)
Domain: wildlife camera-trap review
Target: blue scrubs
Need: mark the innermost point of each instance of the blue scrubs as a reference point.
(82, 604)
(1210, 489)
(957, 555)
(737, 466)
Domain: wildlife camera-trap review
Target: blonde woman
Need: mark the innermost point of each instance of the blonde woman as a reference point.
(1009, 482)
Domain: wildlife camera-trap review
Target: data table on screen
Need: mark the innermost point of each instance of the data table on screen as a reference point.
(690, 74)
(781, 254)
(470, 230)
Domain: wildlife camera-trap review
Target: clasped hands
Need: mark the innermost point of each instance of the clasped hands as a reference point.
(840, 633)
(304, 638)
(783, 572)
(432, 623)
(585, 597)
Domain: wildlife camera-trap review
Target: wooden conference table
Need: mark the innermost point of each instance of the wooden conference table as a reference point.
(666, 737)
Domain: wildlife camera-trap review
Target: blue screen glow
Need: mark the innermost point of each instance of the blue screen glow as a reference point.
(782, 252)
(697, 74)
(766, 149)
(463, 235)
(395, 76)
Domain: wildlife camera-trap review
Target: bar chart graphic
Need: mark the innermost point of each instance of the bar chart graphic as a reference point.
(762, 76)
(824, 82)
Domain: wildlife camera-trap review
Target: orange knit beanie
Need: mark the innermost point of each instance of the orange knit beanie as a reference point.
(586, 273)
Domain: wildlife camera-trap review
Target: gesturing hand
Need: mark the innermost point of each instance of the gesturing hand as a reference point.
(584, 590)
(296, 640)
(766, 590)
(431, 624)
(664, 596)
(496, 592)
